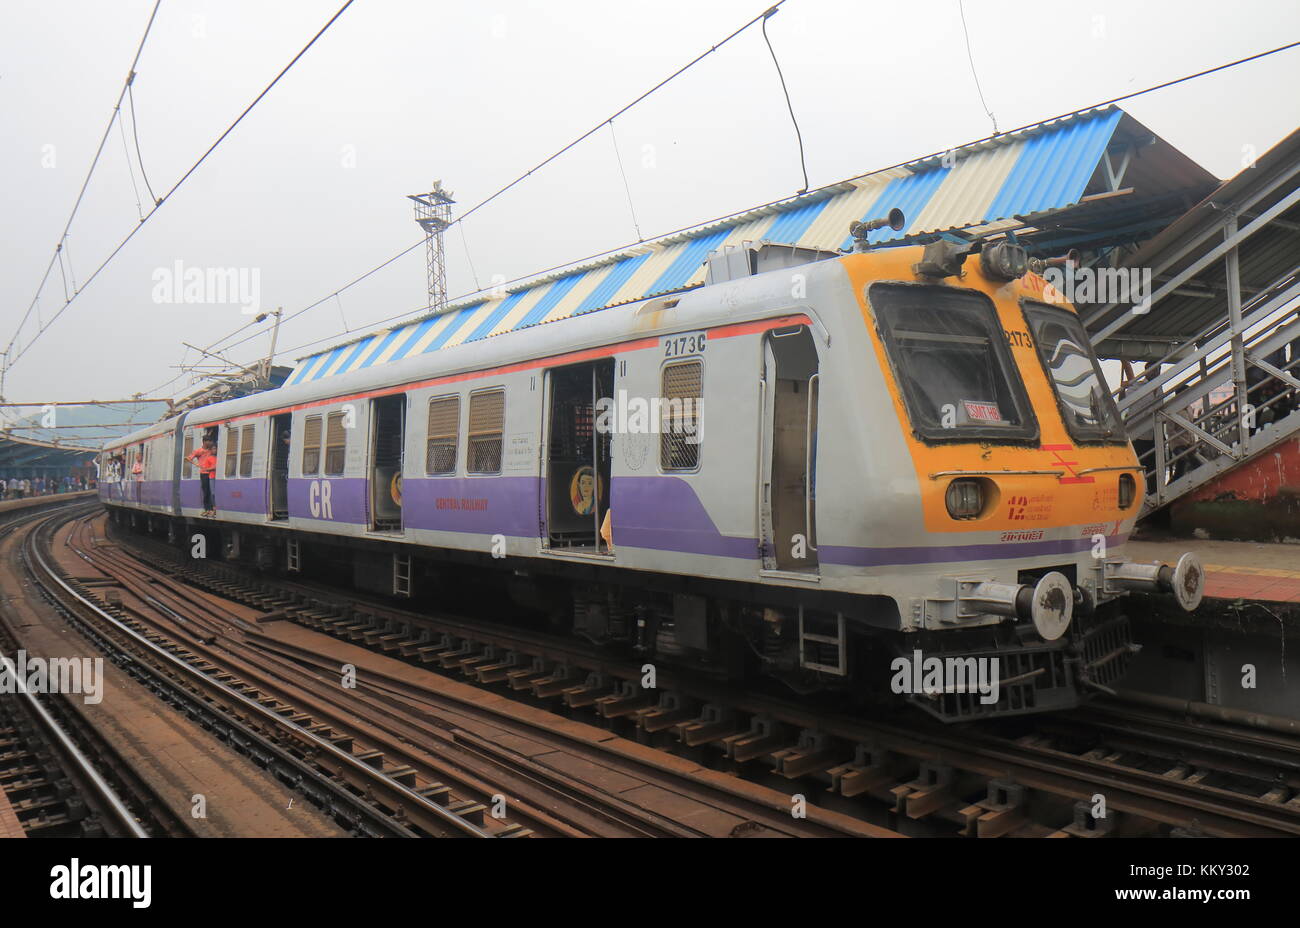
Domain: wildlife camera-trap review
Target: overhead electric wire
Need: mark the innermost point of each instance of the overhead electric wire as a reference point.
(971, 57)
(781, 199)
(84, 184)
(126, 153)
(9, 361)
(469, 257)
(803, 163)
(626, 188)
(404, 252)
(541, 164)
(596, 128)
(135, 133)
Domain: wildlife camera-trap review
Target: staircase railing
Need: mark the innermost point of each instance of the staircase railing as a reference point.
(1221, 398)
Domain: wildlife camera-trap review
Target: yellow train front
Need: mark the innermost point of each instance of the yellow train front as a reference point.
(995, 516)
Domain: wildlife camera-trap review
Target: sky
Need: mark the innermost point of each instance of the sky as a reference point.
(309, 191)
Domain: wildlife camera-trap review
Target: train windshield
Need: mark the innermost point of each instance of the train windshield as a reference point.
(950, 356)
(1081, 391)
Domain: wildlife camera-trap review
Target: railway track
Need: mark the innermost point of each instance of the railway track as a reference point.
(501, 791)
(309, 756)
(986, 780)
(61, 777)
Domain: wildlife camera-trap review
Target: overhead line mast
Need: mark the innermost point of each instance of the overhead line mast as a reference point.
(433, 215)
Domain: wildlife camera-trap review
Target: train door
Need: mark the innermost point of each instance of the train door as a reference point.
(182, 446)
(387, 447)
(788, 503)
(577, 456)
(278, 464)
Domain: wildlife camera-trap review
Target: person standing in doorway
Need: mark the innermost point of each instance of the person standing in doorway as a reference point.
(205, 458)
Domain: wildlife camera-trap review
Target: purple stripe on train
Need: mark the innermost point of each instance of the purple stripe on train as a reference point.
(329, 499)
(142, 492)
(940, 554)
(191, 494)
(478, 505)
(664, 514)
(233, 494)
(656, 513)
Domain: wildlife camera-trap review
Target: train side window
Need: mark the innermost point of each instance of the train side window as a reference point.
(232, 451)
(335, 444)
(311, 434)
(246, 452)
(188, 472)
(680, 415)
(487, 417)
(444, 430)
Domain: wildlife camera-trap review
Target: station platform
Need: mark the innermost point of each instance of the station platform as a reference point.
(1240, 650)
(1246, 570)
(32, 502)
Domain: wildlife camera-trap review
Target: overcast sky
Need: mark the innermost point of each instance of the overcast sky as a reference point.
(310, 189)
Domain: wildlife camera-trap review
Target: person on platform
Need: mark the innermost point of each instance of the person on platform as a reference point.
(205, 458)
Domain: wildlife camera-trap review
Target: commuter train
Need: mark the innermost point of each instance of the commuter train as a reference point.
(808, 468)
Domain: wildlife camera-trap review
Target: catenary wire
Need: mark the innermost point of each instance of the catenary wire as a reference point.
(10, 361)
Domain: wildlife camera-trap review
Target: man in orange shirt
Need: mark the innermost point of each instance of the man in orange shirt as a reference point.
(206, 459)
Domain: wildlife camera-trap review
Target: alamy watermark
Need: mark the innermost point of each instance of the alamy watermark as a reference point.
(1099, 286)
(75, 880)
(639, 415)
(933, 676)
(209, 286)
(39, 676)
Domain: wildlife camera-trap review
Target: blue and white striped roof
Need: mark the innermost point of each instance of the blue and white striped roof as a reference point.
(978, 187)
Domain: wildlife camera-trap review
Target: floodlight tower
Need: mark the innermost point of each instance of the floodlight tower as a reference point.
(433, 214)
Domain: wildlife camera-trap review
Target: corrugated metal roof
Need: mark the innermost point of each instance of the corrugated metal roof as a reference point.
(1041, 168)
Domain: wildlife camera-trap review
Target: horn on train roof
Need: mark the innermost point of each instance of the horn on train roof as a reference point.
(1071, 258)
(894, 220)
(859, 230)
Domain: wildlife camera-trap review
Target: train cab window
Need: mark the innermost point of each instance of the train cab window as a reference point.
(232, 451)
(311, 435)
(444, 429)
(187, 472)
(335, 444)
(246, 451)
(680, 416)
(952, 362)
(1072, 367)
(487, 417)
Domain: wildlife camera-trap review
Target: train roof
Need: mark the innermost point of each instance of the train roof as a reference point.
(769, 295)
(161, 427)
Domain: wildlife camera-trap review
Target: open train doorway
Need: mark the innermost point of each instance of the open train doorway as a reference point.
(387, 445)
(577, 456)
(278, 460)
(788, 507)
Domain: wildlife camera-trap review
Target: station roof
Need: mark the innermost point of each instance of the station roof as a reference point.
(1099, 169)
(18, 454)
(86, 425)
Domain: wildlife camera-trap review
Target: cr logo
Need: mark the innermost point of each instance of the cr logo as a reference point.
(318, 500)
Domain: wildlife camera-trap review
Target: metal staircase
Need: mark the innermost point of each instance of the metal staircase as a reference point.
(1220, 334)
(1223, 403)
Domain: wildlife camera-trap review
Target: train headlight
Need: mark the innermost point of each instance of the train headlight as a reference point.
(1004, 261)
(965, 499)
(1127, 490)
